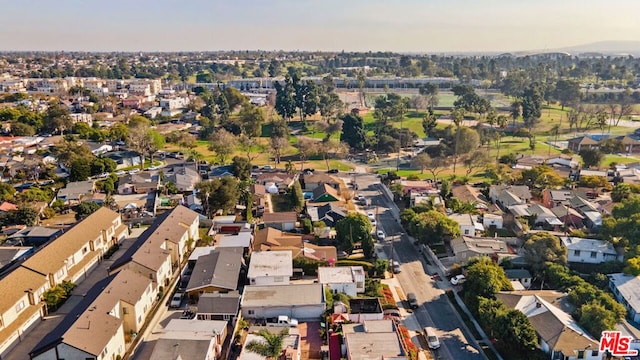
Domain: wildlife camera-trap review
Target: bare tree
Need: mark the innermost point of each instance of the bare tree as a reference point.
(421, 161)
(306, 147)
(222, 143)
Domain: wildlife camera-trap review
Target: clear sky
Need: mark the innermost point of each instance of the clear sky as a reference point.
(351, 25)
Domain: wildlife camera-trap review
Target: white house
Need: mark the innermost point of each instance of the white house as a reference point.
(522, 276)
(492, 220)
(591, 251)
(270, 268)
(343, 279)
(468, 224)
(626, 289)
(299, 301)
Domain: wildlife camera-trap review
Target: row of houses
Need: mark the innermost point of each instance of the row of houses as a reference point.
(67, 258)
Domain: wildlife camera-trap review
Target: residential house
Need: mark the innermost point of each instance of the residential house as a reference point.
(365, 309)
(124, 159)
(418, 186)
(216, 271)
(311, 182)
(589, 251)
(325, 193)
(242, 240)
(568, 216)
(285, 221)
(219, 306)
(582, 142)
(468, 224)
(270, 239)
(559, 334)
(6, 206)
(343, 279)
(565, 161)
(79, 250)
(466, 247)
(492, 221)
(190, 339)
(221, 171)
(524, 161)
(270, 268)
(76, 192)
(34, 236)
(544, 217)
(509, 195)
(626, 289)
(140, 183)
(552, 198)
(522, 276)
(281, 180)
(20, 305)
(329, 213)
(299, 301)
(373, 339)
(184, 177)
(468, 193)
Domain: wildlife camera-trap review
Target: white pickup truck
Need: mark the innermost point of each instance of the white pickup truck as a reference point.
(282, 321)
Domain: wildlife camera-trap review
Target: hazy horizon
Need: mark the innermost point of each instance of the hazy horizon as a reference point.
(435, 26)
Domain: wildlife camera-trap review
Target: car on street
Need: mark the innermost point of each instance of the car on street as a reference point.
(431, 338)
(333, 171)
(458, 279)
(412, 300)
(134, 171)
(371, 216)
(395, 266)
(374, 223)
(361, 198)
(176, 300)
(380, 235)
(120, 172)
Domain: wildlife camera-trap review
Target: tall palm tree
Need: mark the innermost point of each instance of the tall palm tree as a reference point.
(272, 345)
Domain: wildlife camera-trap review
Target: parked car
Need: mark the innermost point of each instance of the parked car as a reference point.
(134, 171)
(394, 313)
(413, 300)
(380, 235)
(395, 266)
(371, 216)
(333, 171)
(431, 338)
(458, 279)
(176, 300)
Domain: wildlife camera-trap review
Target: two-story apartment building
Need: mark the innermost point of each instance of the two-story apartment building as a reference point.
(626, 289)
(20, 305)
(79, 250)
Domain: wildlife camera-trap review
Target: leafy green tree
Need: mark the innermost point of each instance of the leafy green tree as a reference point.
(218, 194)
(118, 132)
(541, 177)
(355, 228)
(353, 132)
(85, 209)
(389, 107)
(532, 106)
(251, 119)
(20, 129)
(24, 215)
(279, 138)
(271, 347)
(432, 227)
(222, 143)
(429, 123)
(57, 118)
(329, 105)
(234, 98)
(285, 98)
(80, 170)
(591, 157)
(595, 318)
(567, 92)
(297, 197)
(241, 168)
(485, 278)
(541, 248)
(69, 151)
(7, 192)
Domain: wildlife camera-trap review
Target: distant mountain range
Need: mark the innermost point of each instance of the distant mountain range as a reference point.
(606, 47)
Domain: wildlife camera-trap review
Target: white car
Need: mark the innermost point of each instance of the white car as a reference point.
(458, 279)
(120, 172)
(361, 198)
(374, 223)
(380, 235)
(134, 171)
(176, 300)
(371, 217)
(395, 266)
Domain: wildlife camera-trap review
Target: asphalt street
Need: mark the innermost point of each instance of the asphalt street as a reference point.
(435, 308)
